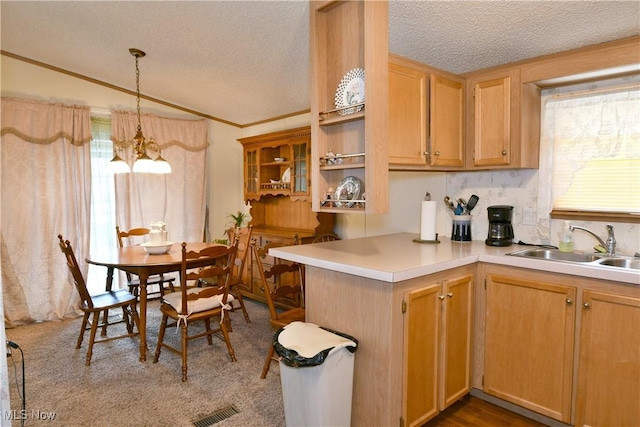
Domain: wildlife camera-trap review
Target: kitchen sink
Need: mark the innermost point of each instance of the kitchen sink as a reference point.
(631, 263)
(556, 255)
(594, 259)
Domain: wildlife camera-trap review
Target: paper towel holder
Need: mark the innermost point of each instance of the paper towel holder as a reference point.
(418, 240)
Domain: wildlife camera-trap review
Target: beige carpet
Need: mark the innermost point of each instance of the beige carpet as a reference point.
(119, 390)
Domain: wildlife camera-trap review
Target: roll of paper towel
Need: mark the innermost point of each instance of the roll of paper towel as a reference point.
(428, 221)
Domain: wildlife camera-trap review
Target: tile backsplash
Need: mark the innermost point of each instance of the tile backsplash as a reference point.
(518, 188)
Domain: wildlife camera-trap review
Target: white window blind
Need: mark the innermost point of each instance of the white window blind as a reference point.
(595, 138)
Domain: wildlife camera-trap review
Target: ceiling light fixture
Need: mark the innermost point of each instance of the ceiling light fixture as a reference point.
(148, 158)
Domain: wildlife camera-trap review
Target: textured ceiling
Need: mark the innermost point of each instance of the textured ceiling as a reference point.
(247, 61)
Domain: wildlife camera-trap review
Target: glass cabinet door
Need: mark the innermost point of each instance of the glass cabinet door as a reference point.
(300, 175)
(251, 173)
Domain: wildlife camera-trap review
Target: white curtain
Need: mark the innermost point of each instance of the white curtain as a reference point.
(581, 123)
(46, 191)
(177, 199)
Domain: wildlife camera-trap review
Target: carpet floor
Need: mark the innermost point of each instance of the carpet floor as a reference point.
(119, 390)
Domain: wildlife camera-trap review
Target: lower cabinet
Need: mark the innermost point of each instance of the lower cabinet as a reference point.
(529, 344)
(608, 392)
(437, 347)
(563, 346)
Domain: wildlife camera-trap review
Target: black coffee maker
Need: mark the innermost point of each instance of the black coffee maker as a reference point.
(500, 228)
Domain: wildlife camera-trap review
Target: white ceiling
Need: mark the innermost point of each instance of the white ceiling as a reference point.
(248, 61)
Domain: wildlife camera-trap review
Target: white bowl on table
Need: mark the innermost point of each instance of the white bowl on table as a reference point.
(157, 248)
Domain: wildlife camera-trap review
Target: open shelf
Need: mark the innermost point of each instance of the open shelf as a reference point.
(345, 35)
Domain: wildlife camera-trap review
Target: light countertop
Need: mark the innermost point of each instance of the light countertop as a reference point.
(395, 257)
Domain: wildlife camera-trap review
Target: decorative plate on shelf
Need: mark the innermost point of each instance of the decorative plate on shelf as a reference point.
(348, 189)
(286, 176)
(350, 91)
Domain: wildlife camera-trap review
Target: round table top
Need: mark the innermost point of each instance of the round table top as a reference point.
(137, 256)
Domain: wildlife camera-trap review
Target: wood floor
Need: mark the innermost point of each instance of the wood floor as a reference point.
(471, 411)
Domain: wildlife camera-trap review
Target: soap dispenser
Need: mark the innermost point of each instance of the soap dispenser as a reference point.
(566, 238)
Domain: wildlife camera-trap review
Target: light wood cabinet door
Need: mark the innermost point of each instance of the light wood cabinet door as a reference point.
(609, 367)
(421, 335)
(408, 115)
(503, 120)
(437, 348)
(446, 122)
(456, 340)
(492, 122)
(529, 344)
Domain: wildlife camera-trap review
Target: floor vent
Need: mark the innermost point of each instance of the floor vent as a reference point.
(216, 417)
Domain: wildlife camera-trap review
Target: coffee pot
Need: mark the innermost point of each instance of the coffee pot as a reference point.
(500, 228)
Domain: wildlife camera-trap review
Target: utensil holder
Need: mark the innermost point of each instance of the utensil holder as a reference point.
(461, 230)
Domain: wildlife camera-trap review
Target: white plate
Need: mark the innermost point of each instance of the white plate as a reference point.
(286, 176)
(350, 91)
(348, 189)
(154, 248)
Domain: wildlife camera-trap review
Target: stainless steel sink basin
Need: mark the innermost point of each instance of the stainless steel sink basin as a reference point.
(580, 258)
(556, 255)
(630, 263)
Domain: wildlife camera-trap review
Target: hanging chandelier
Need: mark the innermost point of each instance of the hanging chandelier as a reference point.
(148, 158)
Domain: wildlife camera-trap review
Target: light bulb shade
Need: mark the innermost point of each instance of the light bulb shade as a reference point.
(117, 165)
(161, 165)
(144, 164)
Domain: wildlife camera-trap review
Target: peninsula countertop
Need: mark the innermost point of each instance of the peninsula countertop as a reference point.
(396, 257)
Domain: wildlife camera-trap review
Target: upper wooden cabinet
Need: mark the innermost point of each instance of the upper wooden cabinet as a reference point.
(426, 117)
(345, 36)
(503, 121)
(277, 164)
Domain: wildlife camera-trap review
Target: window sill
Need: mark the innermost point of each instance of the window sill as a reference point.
(596, 216)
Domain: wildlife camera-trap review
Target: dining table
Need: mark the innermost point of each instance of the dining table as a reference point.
(136, 260)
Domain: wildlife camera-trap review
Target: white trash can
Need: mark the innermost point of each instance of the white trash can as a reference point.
(316, 372)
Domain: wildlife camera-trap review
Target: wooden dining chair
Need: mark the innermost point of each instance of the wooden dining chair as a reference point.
(283, 286)
(325, 237)
(99, 304)
(244, 247)
(191, 304)
(132, 237)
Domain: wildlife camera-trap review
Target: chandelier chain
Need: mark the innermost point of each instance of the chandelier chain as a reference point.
(138, 91)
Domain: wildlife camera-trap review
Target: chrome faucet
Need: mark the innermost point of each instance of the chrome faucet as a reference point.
(609, 245)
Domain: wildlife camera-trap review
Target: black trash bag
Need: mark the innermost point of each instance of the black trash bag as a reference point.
(291, 357)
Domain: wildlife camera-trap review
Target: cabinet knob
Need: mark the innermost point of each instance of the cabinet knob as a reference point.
(586, 305)
(450, 294)
(437, 153)
(569, 301)
(441, 297)
(426, 153)
(504, 152)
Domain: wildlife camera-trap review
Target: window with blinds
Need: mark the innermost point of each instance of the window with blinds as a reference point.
(594, 135)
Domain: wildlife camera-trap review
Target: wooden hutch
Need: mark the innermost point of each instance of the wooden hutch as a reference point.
(277, 184)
